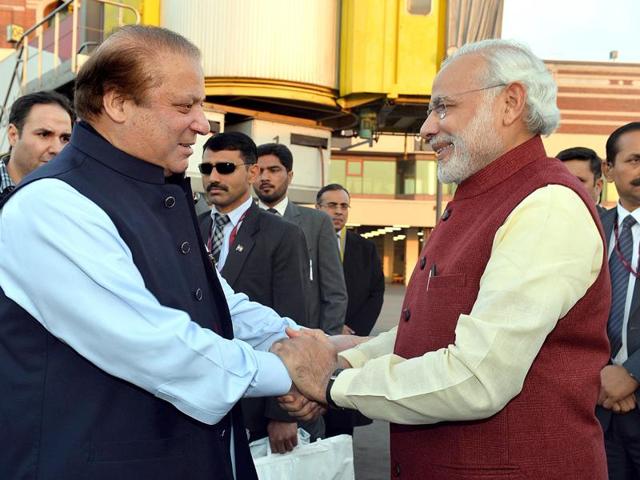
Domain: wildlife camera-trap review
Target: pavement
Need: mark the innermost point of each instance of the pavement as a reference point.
(371, 442)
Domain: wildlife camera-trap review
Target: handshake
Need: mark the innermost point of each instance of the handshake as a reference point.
(310, 358)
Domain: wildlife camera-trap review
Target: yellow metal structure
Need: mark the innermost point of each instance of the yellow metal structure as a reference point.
(150, 10)
(261, 87)
(386, 50)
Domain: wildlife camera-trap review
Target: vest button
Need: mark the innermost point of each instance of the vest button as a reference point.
(396, 470)
(170, 202)
(198, 294)
(406, 314)
(446, 214)
(423, 263)
(185, 247)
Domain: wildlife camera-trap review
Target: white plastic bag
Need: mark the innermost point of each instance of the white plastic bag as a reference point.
(326, 459)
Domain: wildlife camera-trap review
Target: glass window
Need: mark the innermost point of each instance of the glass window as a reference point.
(378, 177)
(337, 172)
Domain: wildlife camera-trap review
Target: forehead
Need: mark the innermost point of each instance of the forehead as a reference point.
(579, 168)
(48, 115)
(181, 76)
(337, 196)
(267, 161)
(629, 143)
(222, 156)
(459, 75)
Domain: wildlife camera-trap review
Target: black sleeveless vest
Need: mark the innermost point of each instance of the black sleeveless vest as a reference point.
(61, 417)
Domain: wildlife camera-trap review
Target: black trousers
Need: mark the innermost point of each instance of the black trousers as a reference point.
(622, 443)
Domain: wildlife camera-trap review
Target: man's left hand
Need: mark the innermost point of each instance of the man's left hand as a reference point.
(310, 361)
(283, 436)
(616, 384)
(299, 406)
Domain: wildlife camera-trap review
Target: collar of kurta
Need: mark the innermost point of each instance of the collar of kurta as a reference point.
(86, 139)
(501, 169)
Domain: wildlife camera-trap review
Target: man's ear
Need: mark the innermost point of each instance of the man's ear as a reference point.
(253, 171)
(514, 103)
(114, 105)
(289, 177)
(13, 134)
(606, 170)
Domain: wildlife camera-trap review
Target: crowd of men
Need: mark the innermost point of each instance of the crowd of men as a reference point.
(139, 340)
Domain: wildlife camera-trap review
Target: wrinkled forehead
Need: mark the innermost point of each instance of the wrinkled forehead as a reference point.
(463, 73)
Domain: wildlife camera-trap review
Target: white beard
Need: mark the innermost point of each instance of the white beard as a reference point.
(473, 149)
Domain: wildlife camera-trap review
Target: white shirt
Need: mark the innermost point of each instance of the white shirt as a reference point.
(623, 354)
(280, 207)
(235, 221)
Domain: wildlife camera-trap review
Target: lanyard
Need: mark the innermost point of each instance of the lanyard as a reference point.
(232, 237)
(616, 248)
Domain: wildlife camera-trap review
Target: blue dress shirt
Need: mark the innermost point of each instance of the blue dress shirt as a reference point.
(70, 269)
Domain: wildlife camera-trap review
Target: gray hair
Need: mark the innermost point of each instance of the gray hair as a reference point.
(509, 61)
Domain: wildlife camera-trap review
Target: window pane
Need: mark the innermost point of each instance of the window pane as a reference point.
(337, 172)
(379, 177)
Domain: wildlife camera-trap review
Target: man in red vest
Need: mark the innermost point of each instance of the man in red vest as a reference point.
(493, 369)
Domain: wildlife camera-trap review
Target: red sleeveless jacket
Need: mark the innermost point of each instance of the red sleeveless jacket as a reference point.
(547, 431)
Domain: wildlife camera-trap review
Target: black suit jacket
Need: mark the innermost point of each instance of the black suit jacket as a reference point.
(365, 283)
(267, 261)
(632, 365)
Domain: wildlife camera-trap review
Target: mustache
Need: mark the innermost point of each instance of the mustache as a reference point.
(217, 185)
(266, 184)
(441, 139)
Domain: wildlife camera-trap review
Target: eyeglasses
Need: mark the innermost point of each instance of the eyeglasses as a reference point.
(334, 205)
(223, 168)
(440, 105)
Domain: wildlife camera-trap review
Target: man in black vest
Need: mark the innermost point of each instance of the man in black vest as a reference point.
(117, 349)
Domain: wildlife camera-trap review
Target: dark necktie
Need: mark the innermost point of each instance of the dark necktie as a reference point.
(217, 237)
(274, 211)
(619, 284)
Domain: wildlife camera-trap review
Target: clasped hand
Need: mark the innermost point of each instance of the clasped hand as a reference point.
(310, 357)
(617, 389)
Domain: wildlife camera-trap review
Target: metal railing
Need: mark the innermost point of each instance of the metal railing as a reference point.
(24, 46)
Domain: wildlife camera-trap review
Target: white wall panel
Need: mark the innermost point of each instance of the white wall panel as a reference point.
(293, 40)
(307, 161)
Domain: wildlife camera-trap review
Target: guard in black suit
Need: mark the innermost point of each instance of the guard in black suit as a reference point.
(365, 288)
(617, 410)
(258, 254)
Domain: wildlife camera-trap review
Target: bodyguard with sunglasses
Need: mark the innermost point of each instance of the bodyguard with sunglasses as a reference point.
(258, 254)
(618, 410)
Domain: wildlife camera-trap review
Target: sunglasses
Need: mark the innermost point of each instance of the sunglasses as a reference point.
(223, 168)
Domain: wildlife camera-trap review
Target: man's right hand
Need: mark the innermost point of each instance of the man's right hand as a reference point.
(346, 330)
(283, 436)
(625, 405)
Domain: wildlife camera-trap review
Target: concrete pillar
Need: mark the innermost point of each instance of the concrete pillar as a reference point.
(387, 258)
(411, 252)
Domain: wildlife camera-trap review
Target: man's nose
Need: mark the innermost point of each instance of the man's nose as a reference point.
(200, 123)
(430, 127)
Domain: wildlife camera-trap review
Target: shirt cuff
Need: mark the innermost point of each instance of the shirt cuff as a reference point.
(355, 357)
(272, 378)
(341, 385)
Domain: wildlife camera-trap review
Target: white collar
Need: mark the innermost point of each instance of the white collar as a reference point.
(236, 214)
(280, 207)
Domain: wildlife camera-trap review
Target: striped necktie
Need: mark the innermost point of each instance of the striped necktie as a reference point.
(619, 284)
(217, 236)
